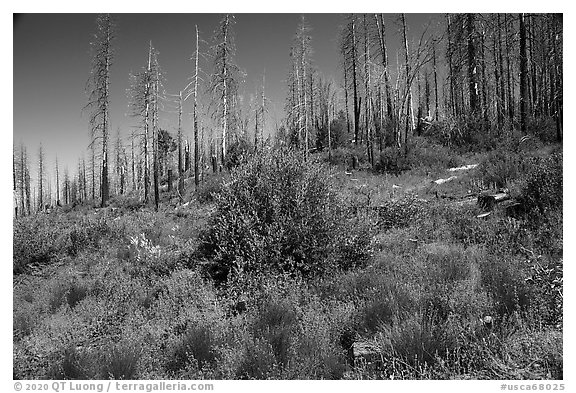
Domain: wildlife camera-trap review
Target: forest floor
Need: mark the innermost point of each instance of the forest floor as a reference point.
(122, 292)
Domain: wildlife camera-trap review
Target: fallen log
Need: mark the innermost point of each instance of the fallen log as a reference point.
(463, 168)
(487, 202)
(442, 181)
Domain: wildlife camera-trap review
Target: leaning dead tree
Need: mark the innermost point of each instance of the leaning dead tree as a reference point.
(98, 89)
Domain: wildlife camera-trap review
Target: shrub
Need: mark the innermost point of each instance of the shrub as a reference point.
(37, 240)
(128, 201)
(89, 233)
(277, 213)
(399, 213)
(424, 152)
(257, 362)
(500, 168)
(120, 361)
(237, 153)
(68, 291)
(504, 278)
(73, 363)
(210, 187)
(345, 156)
(197, 344)
(392, 160)
(276, 323)
(543, 190)
(467, 133)
(24, 321)
(418, 340)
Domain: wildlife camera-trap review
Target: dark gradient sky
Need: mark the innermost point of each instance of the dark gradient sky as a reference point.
(52, 64)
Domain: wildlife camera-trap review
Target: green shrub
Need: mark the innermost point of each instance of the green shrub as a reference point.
(278, 213)
(196, 345)
(237, 153)
(89, 234)
(73, 363)
(24, 320)
(470, 133)
(392, 160)
(500, 168)
(37, 240)
(127, 202)
(120, 361)
(258, 361)
(210, 187)
(68, 291)
(504, 278)
(418, 340)
(543, 191)
(399, 213)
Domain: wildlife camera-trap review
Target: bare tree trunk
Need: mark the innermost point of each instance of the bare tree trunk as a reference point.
(534, 86)
(155, 132)
(40, 178)
(523, 75)
(225, 96)
(304, 64)
(354, 82)
(23, 170)
(368, 100)
(508, 74)
(409, 112)
(346, 98)
(435, 83)
(147, 128)
(195, 112)
(557, 73)
(14, 193)
(57, 184)
(180, 163)
(383, 50)
(451, 75)
(472, 66)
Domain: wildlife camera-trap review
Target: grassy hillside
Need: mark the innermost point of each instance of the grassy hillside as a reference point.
(284, 269)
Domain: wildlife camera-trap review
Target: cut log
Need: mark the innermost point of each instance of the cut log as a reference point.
(463, 168)
(483, 215)
(487, 202)
(442, 181)
(365, 353)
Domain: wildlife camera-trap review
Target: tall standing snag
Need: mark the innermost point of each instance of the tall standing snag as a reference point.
(225, 79)
(98, 89)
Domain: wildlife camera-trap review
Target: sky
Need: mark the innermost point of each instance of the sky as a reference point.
(52, 65)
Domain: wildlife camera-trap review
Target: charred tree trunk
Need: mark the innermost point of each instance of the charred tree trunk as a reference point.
(523, 75)
(472, 65)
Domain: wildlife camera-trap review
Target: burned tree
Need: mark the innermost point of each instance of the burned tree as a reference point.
(98, 89)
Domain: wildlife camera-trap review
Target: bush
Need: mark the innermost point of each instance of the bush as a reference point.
(210, 187)
(392, 160)
(73, 363)
(500, 168)
(120, 361)
(467, 133)
(504, 278)
(543, 191)
(399, 213)
(278, 213)
(37, 240)
(88, 234)
(237, 153)
(197, 344)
